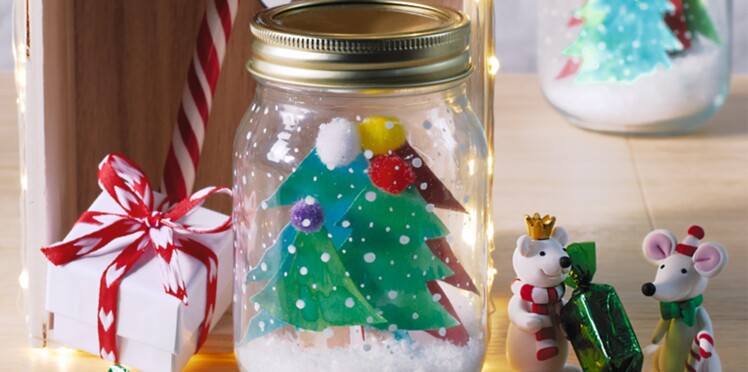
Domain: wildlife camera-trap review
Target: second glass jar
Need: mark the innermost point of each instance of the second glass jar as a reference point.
(635, 66)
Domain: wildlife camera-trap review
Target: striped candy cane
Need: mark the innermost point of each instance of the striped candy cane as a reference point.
(197, 98)
(701, 350)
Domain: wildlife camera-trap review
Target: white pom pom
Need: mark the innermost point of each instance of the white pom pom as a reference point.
(338, 143)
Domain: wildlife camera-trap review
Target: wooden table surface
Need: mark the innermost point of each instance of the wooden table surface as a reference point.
(609, 189)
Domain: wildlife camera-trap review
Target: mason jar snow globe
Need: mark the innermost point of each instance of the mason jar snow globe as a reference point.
(360, 189)
(635, 66)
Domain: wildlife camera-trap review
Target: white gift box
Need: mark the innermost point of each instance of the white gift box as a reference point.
(155, 331)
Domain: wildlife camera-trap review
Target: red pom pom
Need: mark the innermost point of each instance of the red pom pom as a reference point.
(696, 231)
(391, 173)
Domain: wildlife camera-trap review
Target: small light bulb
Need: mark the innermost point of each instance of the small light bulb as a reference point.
(23, 280)
(21, 76)
(491, 276)
(469, 228)
(493, 65)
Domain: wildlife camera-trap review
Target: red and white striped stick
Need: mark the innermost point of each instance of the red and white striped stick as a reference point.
(701, 350)
(197, 98)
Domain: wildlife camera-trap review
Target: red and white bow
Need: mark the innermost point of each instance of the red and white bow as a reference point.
(161, 231)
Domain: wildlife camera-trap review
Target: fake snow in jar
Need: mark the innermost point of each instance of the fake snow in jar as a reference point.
(360, 193)
(635, 66)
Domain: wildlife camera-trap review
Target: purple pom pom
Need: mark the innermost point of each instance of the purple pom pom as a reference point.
(307, 215)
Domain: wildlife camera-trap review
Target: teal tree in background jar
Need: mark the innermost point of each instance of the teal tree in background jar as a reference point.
(360, 193)
(635, 66)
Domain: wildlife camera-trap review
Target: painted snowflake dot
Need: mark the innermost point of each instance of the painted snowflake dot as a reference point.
(328, 332)
(391, 173)
(370, 257)
(307, 215)
(300, 304)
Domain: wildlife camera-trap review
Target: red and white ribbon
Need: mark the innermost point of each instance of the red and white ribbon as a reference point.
(197, 98)
(126, 183)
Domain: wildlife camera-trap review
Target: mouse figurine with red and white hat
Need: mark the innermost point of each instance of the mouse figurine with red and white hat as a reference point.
(683, 338)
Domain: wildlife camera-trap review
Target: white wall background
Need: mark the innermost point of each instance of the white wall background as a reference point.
(515, 35)
(6, 56)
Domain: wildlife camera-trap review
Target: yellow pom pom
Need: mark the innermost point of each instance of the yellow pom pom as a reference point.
(381, 134)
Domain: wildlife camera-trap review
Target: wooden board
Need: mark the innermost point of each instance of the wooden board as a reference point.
(129, 63)
(604, 188)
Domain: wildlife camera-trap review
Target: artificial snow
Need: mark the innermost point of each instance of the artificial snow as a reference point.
(338, 143)
(286, 354)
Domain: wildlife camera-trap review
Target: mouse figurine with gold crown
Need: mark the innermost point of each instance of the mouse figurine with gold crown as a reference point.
(535, 339)
(542, 326)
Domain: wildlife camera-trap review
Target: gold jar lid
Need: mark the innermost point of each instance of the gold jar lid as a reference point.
(360, 44)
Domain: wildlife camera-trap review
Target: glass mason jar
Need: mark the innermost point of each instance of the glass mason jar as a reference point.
(360, 193)
(480, 84)
(635, 66)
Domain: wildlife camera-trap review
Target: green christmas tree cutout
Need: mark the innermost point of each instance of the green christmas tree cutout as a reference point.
(689, 19)
(310, 290)
(621, 40)
(338, 179)
(333, 188)
(274, 256)
(698, 20)
(396, 167)
(388, 258)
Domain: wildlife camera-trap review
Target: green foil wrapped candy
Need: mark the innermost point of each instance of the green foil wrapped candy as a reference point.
(117, 368)
(594, 318)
